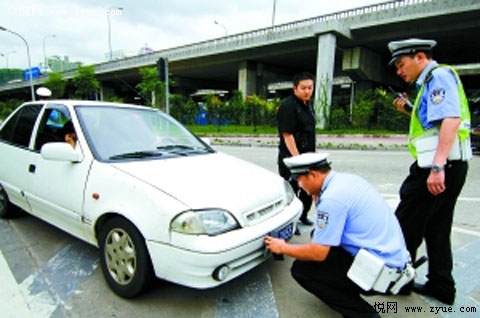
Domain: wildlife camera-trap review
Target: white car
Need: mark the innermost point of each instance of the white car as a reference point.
(156, 199)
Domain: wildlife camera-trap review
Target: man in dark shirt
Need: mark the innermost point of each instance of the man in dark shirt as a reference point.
(296, 129)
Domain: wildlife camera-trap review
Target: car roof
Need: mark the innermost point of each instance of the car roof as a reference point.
(88, 103)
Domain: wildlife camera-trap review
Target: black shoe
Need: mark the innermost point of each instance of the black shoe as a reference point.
(297, 232)
(306, 221)
(406, 289)
(425, 289)
(370, 292)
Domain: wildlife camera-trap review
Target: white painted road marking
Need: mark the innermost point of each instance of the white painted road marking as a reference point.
(393, 199)
(12, 302)
(42, 292)
(252, 299)
(53, 284)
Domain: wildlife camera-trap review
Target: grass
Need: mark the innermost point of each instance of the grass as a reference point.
(236, 130)
(232, 130)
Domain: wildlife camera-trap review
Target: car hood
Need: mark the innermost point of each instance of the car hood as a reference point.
(213, 180)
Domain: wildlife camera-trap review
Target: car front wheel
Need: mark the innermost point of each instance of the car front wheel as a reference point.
(124, 258)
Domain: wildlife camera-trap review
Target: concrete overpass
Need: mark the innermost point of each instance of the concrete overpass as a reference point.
(346, 46)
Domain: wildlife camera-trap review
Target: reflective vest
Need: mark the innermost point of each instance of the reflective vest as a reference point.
(417, 130)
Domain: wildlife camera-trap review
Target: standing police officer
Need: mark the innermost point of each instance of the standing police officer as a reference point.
(439, 142)
(296, 129)
(351, 216)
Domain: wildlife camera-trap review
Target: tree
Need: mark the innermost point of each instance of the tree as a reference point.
(373, 109)
(8, 74)
(56, 84)
(8, 106)
(183, 109)
(215, 109)
(237, 109)
(151, 85)
(86, 85)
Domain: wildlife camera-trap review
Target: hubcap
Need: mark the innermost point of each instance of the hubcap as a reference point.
(120, 256)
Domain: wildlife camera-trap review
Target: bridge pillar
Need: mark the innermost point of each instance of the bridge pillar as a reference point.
(100, 93)
(247, 78)
(324, 77)
(362, 64)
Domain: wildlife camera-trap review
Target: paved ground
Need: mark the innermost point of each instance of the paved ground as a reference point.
(45, 273)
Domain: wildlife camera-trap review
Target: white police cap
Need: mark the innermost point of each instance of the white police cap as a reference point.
(302, 164)
(410, 46)
(43, 92)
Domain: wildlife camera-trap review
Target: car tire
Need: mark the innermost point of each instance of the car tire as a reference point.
(7, 209)
(124, 258)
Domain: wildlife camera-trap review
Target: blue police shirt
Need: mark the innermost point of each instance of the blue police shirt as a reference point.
(440, 98)
(352, 214)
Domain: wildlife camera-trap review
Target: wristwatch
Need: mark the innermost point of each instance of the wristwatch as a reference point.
(437, 168)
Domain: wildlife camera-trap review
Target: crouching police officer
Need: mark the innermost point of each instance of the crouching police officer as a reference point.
(354, 229)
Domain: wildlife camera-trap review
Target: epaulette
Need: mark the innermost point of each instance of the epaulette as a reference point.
(430, 74)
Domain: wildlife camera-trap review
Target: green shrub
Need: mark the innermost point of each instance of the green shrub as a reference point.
(339, 119)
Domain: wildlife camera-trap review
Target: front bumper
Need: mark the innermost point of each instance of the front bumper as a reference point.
(195, 267)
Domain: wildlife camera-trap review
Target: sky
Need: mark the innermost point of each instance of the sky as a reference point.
(80, 29)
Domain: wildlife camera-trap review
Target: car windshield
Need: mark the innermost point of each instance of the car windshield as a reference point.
(121, 133)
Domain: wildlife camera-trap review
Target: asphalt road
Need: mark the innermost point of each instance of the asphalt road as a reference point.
(47, 273)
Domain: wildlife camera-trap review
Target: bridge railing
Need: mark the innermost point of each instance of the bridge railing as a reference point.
(226, 42)
(234, 40)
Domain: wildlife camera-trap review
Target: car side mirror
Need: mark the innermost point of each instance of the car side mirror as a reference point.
(60, 151)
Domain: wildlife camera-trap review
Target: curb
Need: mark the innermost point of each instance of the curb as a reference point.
(341, 142)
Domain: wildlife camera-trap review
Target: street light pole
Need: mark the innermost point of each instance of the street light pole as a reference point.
(28, 56)
(44, 54)
(224, 28)
(273, 12)
(110, 30)
(6, 58)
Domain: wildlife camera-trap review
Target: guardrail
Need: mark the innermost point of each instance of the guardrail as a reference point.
(234, 40)
(250, 36)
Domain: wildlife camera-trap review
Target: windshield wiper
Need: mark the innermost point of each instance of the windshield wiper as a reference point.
(182, 150)
(136, 155)
(174, 147)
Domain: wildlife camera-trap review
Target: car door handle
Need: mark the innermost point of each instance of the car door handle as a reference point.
(31, 168)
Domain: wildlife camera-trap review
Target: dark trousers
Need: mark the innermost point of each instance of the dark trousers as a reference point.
(425, 216)
(301, 194)
(328, 281)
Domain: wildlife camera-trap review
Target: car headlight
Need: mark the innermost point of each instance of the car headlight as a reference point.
(210, 222)
(289, 194)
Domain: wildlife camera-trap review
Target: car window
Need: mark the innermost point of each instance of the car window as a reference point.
(51, 124)
(115, 133)
(18, 128)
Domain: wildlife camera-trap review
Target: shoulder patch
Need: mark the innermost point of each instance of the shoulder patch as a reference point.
(322, 219)
(437, 95)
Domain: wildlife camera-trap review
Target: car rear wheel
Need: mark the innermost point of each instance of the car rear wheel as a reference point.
(7, 209)
(124, 258)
